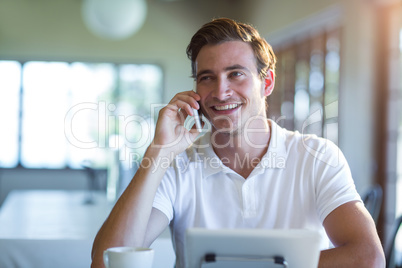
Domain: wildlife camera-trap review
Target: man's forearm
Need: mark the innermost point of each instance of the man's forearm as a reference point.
(127, 222)
(352, 256)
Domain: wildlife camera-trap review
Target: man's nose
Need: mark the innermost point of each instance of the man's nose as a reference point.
(222, 90)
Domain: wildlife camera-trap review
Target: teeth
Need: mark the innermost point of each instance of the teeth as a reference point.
(226, 107)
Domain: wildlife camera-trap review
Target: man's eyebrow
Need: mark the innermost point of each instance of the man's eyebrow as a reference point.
(235, 67)
(204, 72)
(229, 68)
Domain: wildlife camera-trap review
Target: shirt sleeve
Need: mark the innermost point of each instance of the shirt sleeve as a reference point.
(334, 182)
(166, 193)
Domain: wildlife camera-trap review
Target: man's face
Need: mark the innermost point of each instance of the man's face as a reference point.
(232, 94)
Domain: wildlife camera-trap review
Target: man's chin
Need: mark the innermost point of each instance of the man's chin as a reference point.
(225, 130)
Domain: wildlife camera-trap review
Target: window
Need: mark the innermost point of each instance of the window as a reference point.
(306, 92)
(59, 114)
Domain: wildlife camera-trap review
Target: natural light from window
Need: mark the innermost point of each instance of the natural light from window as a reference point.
(75, 112)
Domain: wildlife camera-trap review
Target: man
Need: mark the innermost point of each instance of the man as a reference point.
(247, 172)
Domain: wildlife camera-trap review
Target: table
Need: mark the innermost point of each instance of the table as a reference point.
(56, 228)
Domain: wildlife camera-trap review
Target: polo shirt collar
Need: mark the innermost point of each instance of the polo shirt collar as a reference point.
(275, 157)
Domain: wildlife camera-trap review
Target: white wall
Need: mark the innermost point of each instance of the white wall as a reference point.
(358, 86)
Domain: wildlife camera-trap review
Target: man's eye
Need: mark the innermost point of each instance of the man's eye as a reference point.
(235, 74)
(203, 78)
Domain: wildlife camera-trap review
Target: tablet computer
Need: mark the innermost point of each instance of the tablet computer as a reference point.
(235, 248)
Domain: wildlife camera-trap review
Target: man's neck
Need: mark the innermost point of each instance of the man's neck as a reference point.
(243, 150)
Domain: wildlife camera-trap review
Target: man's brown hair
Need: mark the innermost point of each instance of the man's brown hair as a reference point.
(222, 30)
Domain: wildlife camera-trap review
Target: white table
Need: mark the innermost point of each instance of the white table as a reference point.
(43, 228)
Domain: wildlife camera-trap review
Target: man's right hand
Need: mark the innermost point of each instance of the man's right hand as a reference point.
(170, 133)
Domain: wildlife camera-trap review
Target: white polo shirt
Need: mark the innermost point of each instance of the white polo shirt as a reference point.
(299, 181)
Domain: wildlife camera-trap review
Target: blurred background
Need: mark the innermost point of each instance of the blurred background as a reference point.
(81, 83)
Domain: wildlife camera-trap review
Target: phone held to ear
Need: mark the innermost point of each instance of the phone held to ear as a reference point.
(195, 112)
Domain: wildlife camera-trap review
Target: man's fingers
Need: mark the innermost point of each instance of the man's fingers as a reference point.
(189, 97)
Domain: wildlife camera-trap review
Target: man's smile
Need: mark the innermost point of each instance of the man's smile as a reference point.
(226, 107)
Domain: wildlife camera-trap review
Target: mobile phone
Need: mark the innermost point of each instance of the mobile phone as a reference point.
(195, 112)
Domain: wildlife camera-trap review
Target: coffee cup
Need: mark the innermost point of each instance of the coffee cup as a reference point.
(128, 257)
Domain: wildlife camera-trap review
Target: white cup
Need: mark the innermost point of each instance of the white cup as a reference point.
(128, 257)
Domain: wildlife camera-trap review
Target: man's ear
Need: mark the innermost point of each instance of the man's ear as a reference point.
(269, 83)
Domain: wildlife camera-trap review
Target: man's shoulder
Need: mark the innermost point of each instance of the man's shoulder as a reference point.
(312, 140)
(304, 142)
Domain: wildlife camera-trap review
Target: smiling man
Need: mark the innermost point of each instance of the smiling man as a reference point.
(247, 172)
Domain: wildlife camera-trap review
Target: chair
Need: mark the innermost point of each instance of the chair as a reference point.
(389, 251)
(373, 200)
